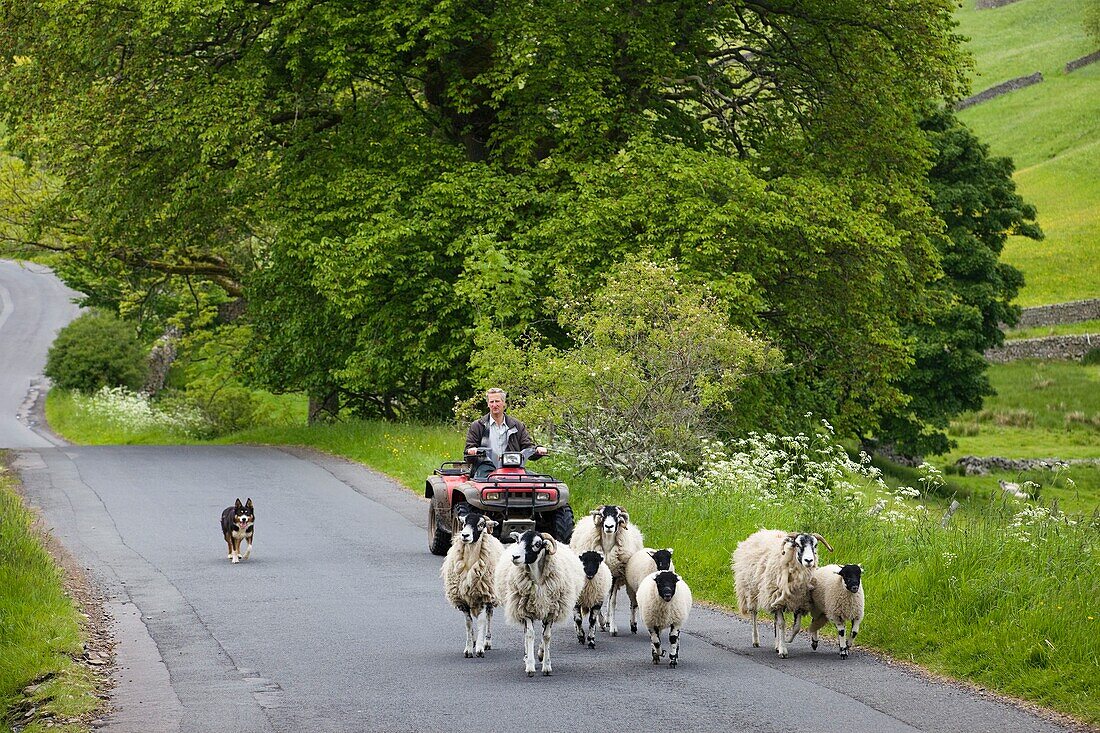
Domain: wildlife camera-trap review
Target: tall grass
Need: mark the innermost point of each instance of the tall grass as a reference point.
(39, 629)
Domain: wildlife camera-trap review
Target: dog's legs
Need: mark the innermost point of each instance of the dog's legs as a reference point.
(235, 555)
(229, 545)
(248, 540)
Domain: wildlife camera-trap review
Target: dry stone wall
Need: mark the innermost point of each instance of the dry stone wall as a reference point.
(1083, 61)
(1049, 347)
(1003, 88)
(1074, 311)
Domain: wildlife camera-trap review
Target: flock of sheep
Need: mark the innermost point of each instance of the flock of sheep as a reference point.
(538, 579)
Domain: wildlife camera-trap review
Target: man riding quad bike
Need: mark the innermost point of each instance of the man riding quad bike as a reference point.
(504, 490)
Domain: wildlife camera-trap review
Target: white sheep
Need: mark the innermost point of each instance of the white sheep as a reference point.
(772, 571)
(539, 580)
(641, 564)
(611, 532)
(837, 597)
(665, 602)
(468, 578)
(597, 584)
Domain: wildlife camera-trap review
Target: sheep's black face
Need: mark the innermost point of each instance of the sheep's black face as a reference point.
(528, 548)
(851, 575)
(805, 549)
(591, 561)
(666, 584)
(473, 524)
(663, 558)
(610, 518)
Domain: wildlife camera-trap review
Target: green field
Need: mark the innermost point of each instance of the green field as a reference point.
(1051, 130)
(1062, 329)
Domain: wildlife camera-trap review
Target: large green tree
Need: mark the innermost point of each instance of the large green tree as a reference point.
(975, 196)
(377, 178)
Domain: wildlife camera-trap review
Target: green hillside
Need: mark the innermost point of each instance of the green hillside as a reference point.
(1051, 130)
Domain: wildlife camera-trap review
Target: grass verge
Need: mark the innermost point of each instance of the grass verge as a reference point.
(42, 687)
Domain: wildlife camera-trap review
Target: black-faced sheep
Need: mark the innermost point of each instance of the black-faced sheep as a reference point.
(538, 580)
(838, 598)
(468, 577)
(665, 602)
(611, 532)
(640, 565)
(597, 584)
(772, 571)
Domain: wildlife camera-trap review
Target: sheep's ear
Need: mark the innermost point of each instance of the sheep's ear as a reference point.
(624, 517)
(551, 543)
(824, 542)
(490, 525)
(596, 514)
(669, 551)
(516, 536)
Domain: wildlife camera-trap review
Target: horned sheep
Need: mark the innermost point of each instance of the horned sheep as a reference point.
(467, 576)
(665, 602)
(540, 579)
(640, 565)
(597, 584)
(772, 571)
(611, 532)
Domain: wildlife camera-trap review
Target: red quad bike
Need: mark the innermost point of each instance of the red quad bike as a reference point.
(517, 499)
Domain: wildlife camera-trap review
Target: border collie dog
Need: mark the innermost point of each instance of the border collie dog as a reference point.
(237, 524)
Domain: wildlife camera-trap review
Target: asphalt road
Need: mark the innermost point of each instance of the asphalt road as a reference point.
(338, 622)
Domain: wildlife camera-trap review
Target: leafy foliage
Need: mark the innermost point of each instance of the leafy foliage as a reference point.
(974, 194)
(96, 350)
(655, 366)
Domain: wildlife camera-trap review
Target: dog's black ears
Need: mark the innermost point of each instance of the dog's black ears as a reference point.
(239, 505)
(248, 504)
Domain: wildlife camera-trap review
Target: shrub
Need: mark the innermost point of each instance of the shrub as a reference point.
(1092, 356)
(94, 351)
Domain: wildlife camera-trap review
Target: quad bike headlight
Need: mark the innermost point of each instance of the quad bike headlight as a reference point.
(491, 496)
(546, 495)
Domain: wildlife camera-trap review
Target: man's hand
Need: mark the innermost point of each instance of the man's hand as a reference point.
(471, 451)
(541, 450)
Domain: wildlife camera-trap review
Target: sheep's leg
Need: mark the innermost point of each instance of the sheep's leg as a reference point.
(529, 647)
(781, 634)
(755, 630)
(488, 627)
(843, 640)
(547, 626)
(855, 630)
(673, 645)
(606, 604)
(818, 622)
(591, 639)
(655, 640)
(469, 650)
(578, 617)
(482, 625)
(796, 627)
(615, 585)
(633, 610)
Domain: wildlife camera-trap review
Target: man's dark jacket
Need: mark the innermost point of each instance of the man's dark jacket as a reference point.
(477, 436)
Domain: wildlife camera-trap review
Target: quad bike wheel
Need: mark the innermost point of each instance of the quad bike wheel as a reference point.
(561, 524)
(438, 540)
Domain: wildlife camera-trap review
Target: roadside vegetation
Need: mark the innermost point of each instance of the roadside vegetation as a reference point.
(41, 686)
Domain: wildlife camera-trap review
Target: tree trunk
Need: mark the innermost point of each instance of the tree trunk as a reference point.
(323, 408)
(161, 358)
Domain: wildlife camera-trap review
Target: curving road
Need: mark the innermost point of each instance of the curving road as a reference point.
(338, 622)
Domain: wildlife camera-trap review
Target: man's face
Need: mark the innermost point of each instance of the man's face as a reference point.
(496, 405)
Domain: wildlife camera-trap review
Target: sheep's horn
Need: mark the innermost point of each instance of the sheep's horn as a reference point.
(823, 541)
(551, 543)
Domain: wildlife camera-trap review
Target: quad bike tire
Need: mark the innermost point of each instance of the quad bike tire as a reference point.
(439, 541)
(561, 524)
